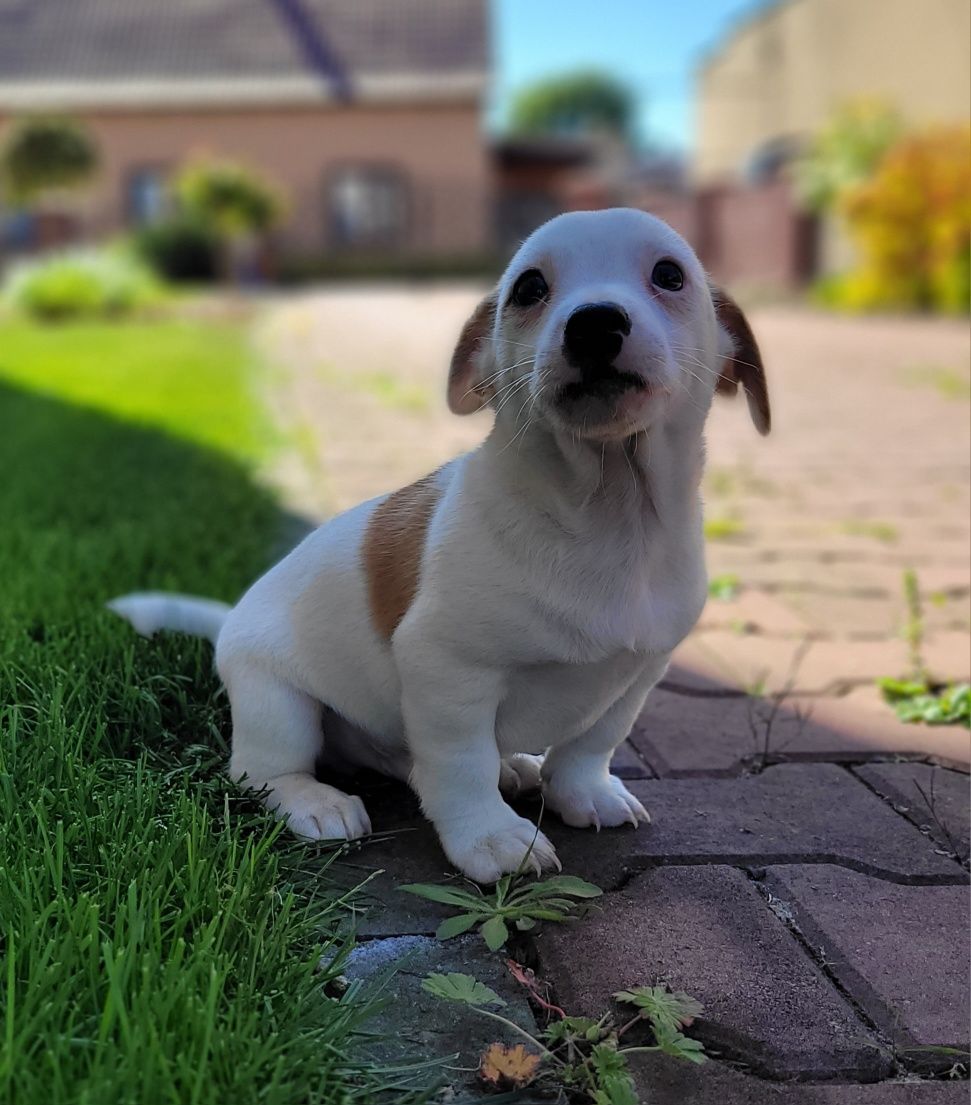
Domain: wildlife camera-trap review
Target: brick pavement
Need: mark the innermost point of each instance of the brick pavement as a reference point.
(806, 872)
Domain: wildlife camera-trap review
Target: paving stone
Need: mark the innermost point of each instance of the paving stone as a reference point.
(707, 930)
(662, 1080)
(947, 655)
(935, 799)
(849, 616)
(791, 813)
(754, 611)
(628, 764)
(415, 1025)
(899, 951)
(695, 665)
(777, 665)
(403, 849)
(684, 734)
(868, 721)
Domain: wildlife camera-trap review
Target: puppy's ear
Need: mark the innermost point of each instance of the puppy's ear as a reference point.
(468, 387)
(742, 361)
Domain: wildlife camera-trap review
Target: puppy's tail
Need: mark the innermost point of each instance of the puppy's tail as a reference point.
(150, 611)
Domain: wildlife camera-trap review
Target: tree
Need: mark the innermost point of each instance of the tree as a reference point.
(41, 156)
(574, 103)
(237, 205)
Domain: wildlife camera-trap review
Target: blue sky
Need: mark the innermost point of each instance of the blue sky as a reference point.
(652, 45)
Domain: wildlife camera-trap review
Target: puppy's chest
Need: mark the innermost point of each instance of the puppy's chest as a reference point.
(634, 596)
(545, 704)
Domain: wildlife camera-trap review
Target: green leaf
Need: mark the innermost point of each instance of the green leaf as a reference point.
(461, 988)
(614, 1085)
(894, 689)
(724, 587)
(567, 1027)
(524, 924)
(672, 1042)
(453, 926)
(444, 894)
(662, 1008)
(546, 914)
(495, 933)
(570, 885)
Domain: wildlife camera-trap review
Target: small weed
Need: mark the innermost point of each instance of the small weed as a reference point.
(723, 529)
(918, 698)
(513, 901)
(764, 710)
(958, 850)
(949, 383)
(885, 532)
(724, 588)
(580, 1054)
(920, 702)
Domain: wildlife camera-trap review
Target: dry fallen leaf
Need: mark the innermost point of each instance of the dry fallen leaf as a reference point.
(508, 1068)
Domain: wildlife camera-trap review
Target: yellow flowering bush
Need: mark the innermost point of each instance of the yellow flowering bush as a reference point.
(911, 222)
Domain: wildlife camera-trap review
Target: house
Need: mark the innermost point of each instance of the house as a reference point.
(781, 73)
(365, 112)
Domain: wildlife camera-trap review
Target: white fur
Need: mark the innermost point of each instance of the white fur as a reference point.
(563, 563)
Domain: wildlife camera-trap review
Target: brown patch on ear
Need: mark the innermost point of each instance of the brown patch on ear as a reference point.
(392, 549)
(466, 391)
(745, 366)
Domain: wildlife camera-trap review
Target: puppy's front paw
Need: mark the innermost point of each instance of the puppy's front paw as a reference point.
(519, 773)
(316, 811)
(486, 853)
(604, 802)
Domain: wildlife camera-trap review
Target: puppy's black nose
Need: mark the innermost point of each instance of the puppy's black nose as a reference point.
(594, 334)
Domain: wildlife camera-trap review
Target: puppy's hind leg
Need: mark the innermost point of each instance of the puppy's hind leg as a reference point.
(276, 741)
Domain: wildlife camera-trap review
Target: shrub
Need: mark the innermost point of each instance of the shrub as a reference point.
(846, 152)
(181, 249)
(229, 199)
(79, 283)
(911, 222)
(41, 155)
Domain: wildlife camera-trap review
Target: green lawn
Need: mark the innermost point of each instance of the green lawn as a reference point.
(159, 939)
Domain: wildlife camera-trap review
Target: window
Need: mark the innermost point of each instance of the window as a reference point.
(148, 199)
(367, 208)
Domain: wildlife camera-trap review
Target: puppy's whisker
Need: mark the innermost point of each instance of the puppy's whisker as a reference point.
(511, 390)
(691, 399)
(734, 360)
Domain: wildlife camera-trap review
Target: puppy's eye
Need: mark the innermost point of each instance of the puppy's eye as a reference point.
(668, 276)
(530, 288)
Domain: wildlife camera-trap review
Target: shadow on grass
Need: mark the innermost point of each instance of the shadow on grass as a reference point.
(92, 507)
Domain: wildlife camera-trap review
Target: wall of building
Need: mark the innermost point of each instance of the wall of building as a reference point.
(752, 238)
(436, 150)
(784, 73)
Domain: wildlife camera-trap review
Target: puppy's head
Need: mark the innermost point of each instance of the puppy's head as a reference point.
(604, 325)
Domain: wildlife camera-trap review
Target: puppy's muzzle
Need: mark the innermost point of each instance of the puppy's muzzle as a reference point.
(592, 340)
(594, 335)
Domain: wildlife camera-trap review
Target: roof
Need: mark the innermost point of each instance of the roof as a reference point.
(71, 53)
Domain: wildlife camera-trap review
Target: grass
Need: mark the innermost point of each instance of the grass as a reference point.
(159, 940)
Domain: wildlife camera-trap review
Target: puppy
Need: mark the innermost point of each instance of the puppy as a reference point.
(521, 601)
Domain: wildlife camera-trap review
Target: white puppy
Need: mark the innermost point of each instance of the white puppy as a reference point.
(523, 599)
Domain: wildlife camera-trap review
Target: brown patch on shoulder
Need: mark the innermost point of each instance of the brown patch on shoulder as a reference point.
(392, 549)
